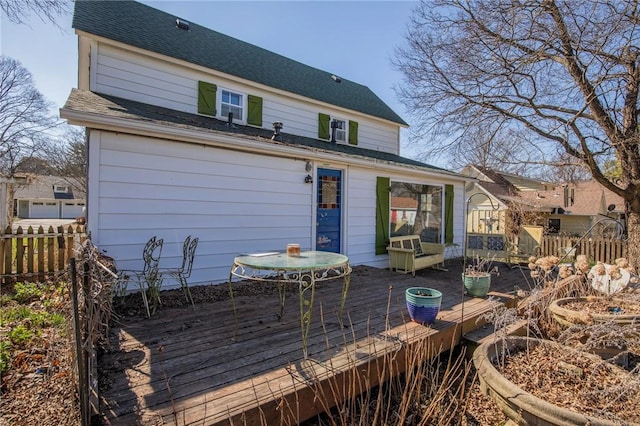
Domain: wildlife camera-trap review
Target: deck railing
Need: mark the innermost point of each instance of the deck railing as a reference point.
(37, 254)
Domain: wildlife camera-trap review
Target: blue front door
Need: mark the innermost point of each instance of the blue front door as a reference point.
(328, 216)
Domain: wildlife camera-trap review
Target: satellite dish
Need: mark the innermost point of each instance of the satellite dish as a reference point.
(611, 207)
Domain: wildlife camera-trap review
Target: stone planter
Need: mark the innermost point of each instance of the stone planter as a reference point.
(568, 317)
(423, 304)
(477, 284)
(523, 407)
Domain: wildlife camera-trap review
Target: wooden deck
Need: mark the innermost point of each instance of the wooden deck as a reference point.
(184, 366)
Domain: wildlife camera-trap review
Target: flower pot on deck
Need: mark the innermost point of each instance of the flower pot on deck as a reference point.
(423, 304)
(477, 284)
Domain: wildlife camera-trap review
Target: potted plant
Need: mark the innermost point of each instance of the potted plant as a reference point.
(477, 277)
(423, 304)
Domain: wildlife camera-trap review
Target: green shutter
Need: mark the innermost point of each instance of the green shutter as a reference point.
(254, 115)
(353, 132)
(383, 186)
(207, 98)
(323, 126)
(448, 214)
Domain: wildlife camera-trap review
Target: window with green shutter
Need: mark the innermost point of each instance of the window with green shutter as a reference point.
(353, 132)
(254, 113)
(207, 98)
(323, 126)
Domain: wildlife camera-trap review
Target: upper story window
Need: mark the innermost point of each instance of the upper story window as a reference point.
(337, 129)
(219, 103)
(232, 102)
(340, 128)
(61, 189)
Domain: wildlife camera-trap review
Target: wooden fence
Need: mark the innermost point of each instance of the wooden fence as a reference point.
(605, 250)
(38, 255)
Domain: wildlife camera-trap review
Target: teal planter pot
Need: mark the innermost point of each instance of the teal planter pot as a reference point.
(423, 304)
(477, 285)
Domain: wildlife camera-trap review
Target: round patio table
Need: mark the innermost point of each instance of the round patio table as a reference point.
(305, 270)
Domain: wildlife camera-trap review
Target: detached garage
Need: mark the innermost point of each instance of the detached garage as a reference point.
(48, 197)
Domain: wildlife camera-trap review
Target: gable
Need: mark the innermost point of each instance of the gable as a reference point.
(147, 28)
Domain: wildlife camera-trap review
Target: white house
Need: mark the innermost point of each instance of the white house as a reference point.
(48, 197)
(192, 132)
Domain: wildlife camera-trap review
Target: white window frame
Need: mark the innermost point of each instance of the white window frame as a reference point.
(344, 132)
(61, 189)
(243, 107)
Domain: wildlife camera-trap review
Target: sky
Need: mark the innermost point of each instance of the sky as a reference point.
(352, 39)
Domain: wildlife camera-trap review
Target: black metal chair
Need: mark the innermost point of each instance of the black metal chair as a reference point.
(149, 278)
(182, 273)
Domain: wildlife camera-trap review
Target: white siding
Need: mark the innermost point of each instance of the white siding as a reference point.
(153, 81)
(233, 202)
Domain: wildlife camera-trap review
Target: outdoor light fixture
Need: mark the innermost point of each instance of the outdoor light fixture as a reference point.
(308, 179)
(308, 166)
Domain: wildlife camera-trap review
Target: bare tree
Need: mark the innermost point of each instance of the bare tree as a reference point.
(68, 157)
(47, 10)
(562, 76)
(24, 116)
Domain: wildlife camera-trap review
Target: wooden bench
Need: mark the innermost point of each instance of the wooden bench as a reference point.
(408, 254)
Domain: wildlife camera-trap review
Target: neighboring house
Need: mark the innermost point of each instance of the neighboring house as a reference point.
(192, 132)
(576, 207)
(569, 209)
(48, 197)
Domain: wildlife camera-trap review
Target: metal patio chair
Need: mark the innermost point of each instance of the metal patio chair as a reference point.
(182, 273)
(149, 278)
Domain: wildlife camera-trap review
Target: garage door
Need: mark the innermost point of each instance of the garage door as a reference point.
(44, 211)
(72, 210)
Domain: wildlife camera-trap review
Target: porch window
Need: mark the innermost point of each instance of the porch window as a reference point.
(417, 210)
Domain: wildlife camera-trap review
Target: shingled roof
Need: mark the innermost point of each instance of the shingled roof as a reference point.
(81, 101)
(150, 29)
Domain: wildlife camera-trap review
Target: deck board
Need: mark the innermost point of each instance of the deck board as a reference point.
(186, 366)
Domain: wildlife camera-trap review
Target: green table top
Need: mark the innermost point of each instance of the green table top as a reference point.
(308, 260)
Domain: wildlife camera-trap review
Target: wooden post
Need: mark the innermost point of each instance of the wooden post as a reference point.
(4, 201)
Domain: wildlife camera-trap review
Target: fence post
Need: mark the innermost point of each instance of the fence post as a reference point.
(83, 385)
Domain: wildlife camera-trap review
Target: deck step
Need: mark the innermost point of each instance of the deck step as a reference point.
(486, 333)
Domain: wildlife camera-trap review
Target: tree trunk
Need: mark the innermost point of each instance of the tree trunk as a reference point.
(633, 232)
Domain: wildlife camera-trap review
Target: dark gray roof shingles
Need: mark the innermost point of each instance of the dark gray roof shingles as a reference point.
(111, 106)
(147, 28)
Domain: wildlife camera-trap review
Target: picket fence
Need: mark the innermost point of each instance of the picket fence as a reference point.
(38, 255)
(605, 250)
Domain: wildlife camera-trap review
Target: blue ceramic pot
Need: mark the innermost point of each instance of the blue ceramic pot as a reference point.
(423, 304)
